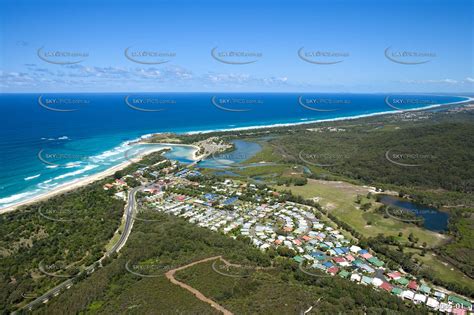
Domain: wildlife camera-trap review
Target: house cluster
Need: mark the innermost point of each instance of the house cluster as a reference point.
(269, 223)
(119, 186)
(156, 171)
(325, 129)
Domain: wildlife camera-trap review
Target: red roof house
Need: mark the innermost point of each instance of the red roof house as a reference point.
(333, 270)
(395, 275)
(413, 285)
(386, 286)
(339, 260)
(459, 311)
(180, 198)
(120, 182)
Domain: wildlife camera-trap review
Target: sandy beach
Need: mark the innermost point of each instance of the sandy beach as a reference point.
(79, 182)
(192, 157)
(87, 180)
(309, 122)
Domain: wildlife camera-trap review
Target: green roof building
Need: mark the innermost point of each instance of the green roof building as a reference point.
(425, 289)
(323, 246)
(298, 259)
(375, 261)
(344, 274)
(397, 291)
(366, 280)
(457, 300)
(402, 281)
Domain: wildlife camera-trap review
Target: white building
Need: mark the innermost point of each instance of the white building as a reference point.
(407, 294)
(356, 277)
(377, 282)
(419, 298)
(433, 303)
(445, 307)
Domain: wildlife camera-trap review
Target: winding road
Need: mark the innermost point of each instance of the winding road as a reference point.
(129, 214)
(129, 219)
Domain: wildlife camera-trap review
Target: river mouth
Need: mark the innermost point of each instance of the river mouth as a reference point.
(243, 150)
(433, 219)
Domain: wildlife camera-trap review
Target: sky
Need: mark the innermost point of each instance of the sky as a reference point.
(355, 46)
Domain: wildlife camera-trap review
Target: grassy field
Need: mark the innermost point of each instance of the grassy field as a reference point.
(463, 247)
(339, 199)
(262, 170)
(266, 154)
(443, 269)
(116, 236)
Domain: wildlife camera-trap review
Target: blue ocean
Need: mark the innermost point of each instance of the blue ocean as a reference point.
(49, 140)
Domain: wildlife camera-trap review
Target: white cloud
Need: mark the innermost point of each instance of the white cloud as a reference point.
(440, 81)
(81, 76)
(469, 80)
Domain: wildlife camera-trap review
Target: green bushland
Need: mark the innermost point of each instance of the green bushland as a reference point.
(171, 242)
(361, 155)
(444, 178)
(64, 247)
(63, 234)
(440, 143)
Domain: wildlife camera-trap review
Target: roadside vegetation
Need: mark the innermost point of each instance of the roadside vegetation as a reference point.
(70, 231)
(170, 242)
(63, 234)
(44, 243)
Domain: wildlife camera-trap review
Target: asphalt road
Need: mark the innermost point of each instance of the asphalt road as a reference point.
(129, 216)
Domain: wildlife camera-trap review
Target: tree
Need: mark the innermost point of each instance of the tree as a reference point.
(285, 251)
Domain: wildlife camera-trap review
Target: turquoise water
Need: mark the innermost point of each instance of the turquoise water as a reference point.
(243, 150)
(51, 140)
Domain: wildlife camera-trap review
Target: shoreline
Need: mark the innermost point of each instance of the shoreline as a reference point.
(75, 183)
(307, 122)
(194, 157)
(110, 171)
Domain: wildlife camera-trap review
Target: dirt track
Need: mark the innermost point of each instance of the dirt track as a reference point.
(197, 294)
